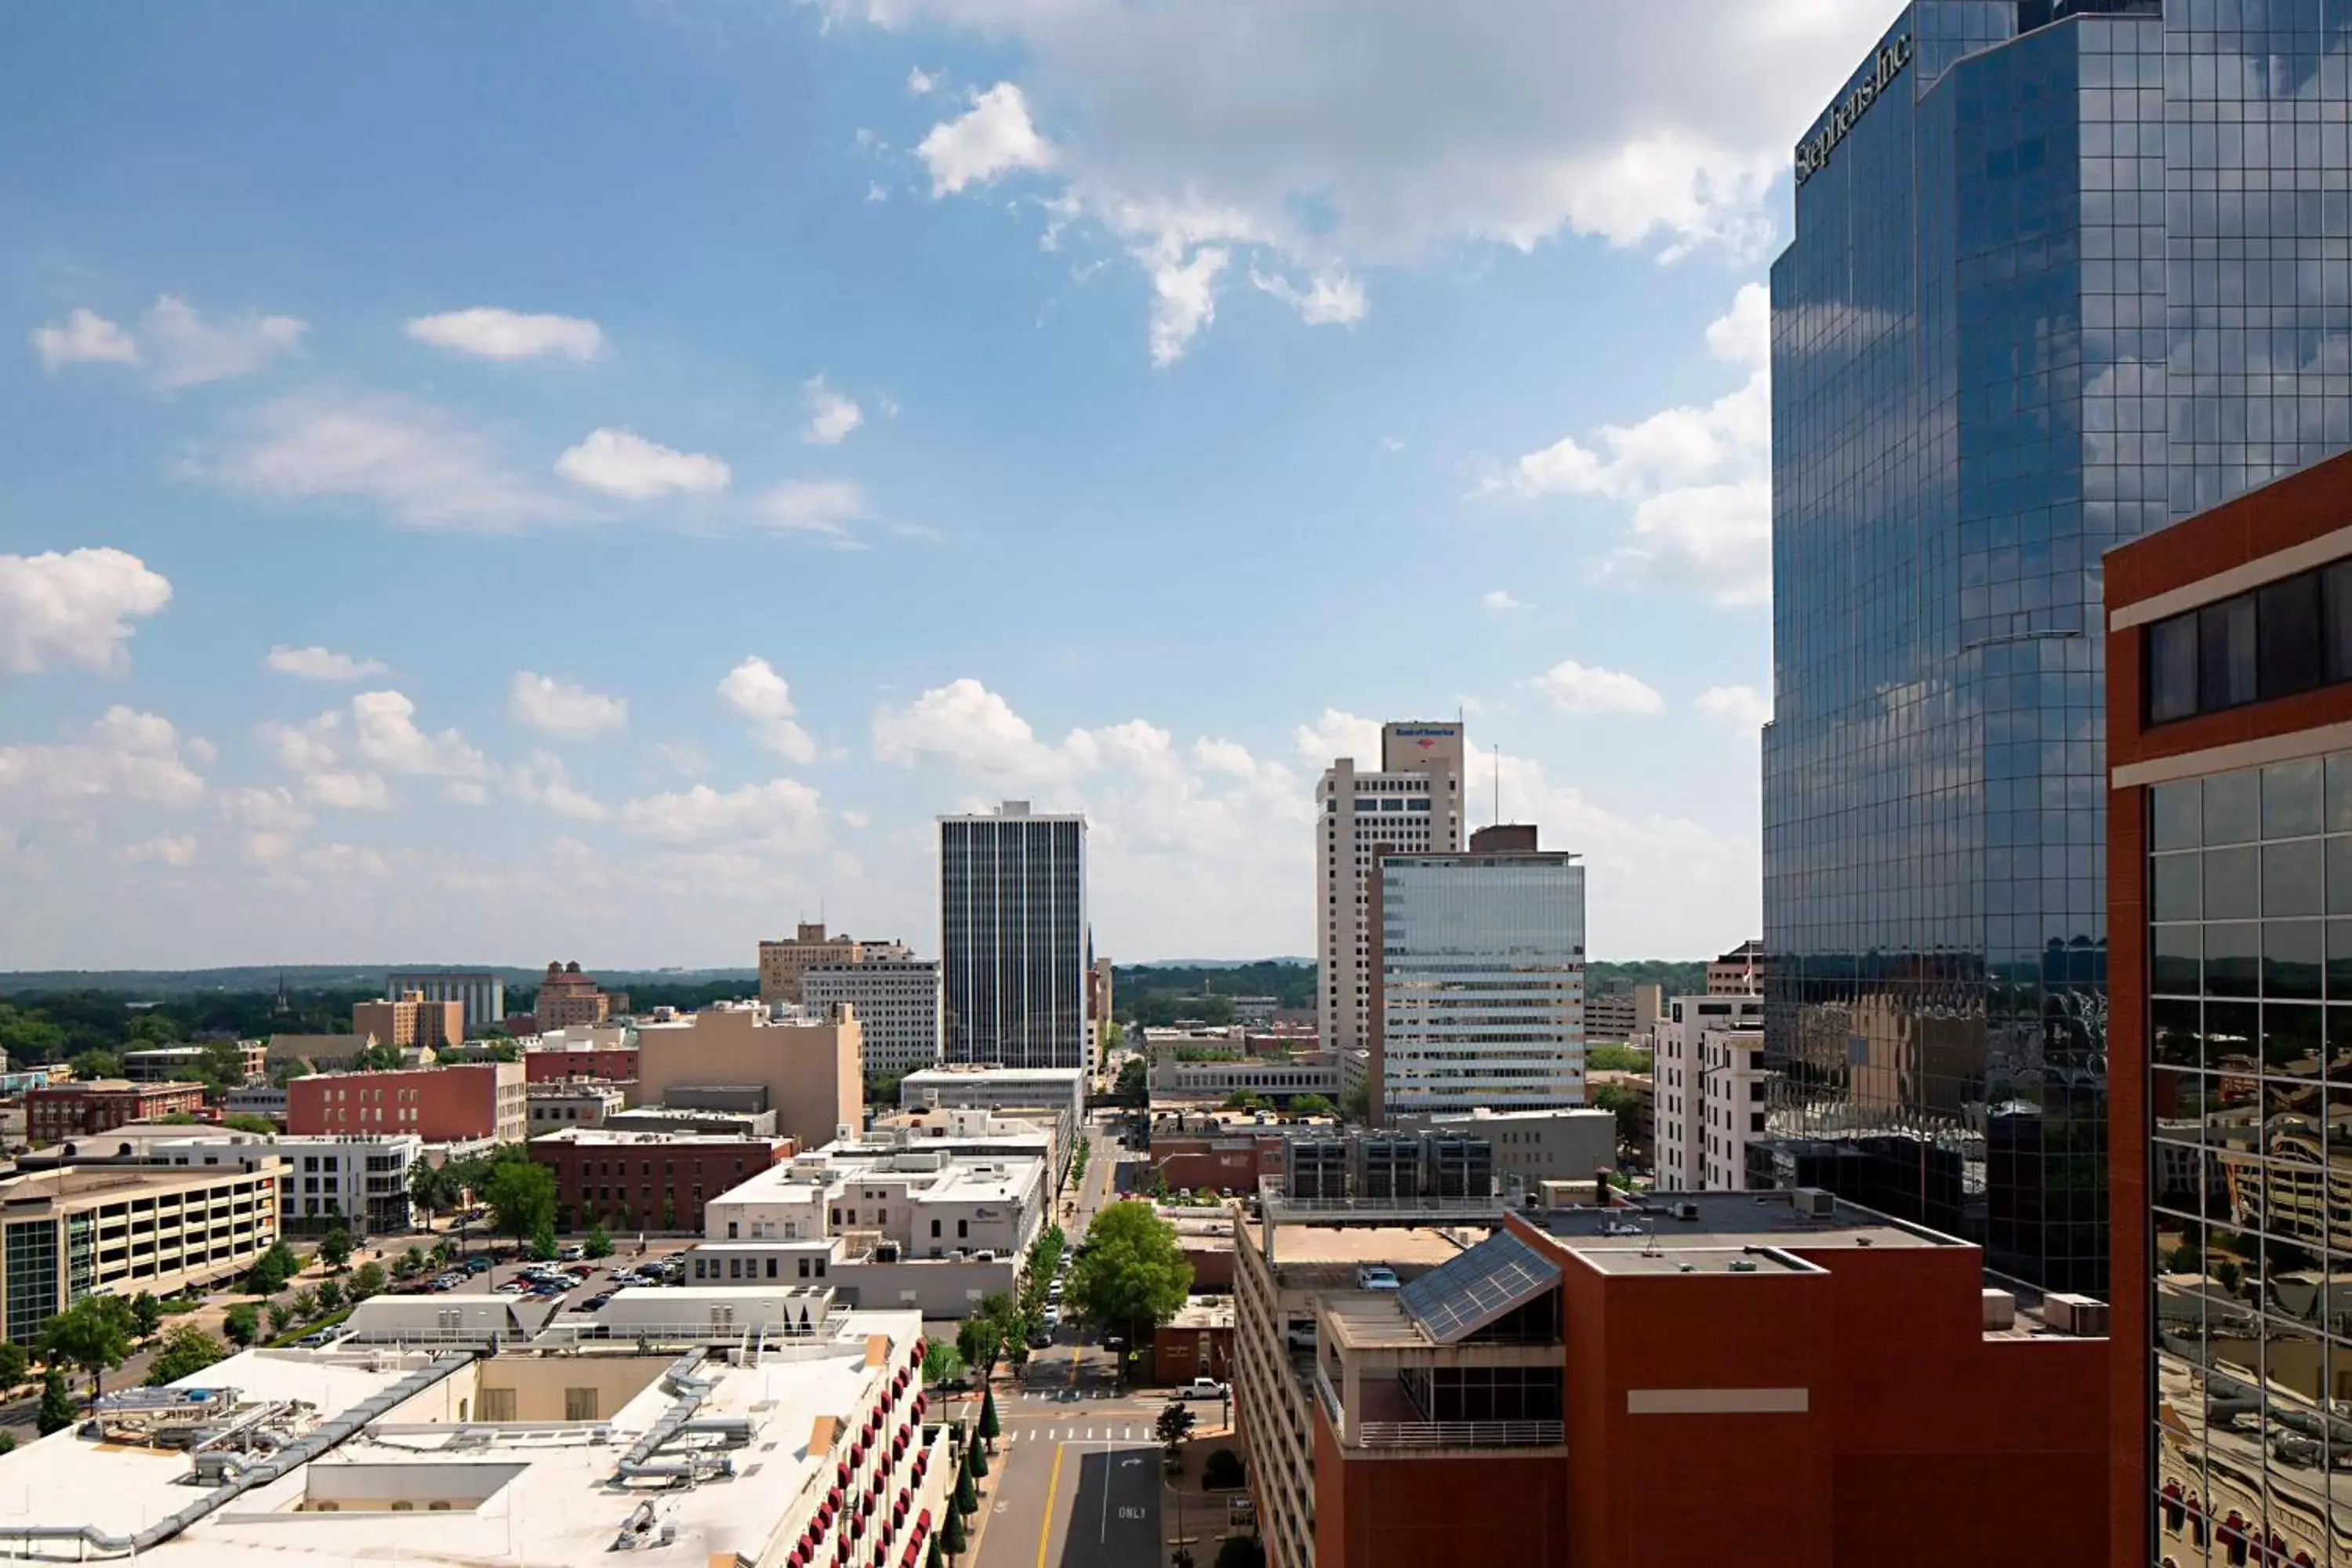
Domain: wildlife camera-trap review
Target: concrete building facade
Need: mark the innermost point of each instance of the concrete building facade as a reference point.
(408, 1022)
(1412, 804)
(1014, 957)
(182, 1064)
(117, 1230)
(995, 1089)
(784, 960)
(480, 991)
(809, 1072)
(568, 999)
(1740, 973)
(1710, 1094)
(1567, 1144)
(896, 1001)
(1481, 978)
(556, 1104)
(361, 1180)
(453, 1104)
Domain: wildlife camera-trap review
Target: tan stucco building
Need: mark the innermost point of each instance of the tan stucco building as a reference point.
(809, 1071)
(784, 960)
(409, 1021)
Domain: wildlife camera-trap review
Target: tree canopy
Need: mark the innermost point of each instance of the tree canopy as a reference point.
(1130, 1272)
(521, 1196)
(94, 1334)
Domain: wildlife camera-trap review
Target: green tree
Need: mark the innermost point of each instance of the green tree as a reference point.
(1134, 1085)
(222, 1064)
(410, 1263)
(942, 1362)
(57, 1408)
(599, 1243)
(259, 1126)
(1616, 1058)
(432, 1189)
(1243, 1099)
(1223, 1469)
(376, 1059)
(1356, 1104)
(542, 1242)
(1130, 1273)
(951, 1534)
(14, 1363)
(187, 1350)
(146, 1314)
(96, 1064)
(8, 1442)
(1241, 1551)
(1312, 1105)
(93, 1335)
(335, 1248)
(331, 1294)
(521, 1196)
(242, 1324)
(990, 1427)
(978, 1338)
(305, 1304)
(280, 1318)
(367, 1280)
(1175, 1425)
(1624, 1105)
(882, 1089)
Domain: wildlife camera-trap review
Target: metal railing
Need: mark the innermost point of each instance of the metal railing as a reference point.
(1329, 1395)
(1458, 1434)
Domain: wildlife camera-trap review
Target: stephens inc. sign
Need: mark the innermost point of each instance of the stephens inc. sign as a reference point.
(1814, 151)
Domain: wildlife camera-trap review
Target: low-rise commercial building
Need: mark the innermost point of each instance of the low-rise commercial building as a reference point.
(1038, 1133)
(58, 1112)
(1279, 1080)
(932, 1203)
(695, 1119)
(1532, 1146)
(896, 1001)
(568, 998)
(1711, 1091)
(263, 1099)
(361, 1182)
(1221, 1162)
(1198, 1341)
(785, 961)
(1740, 973)
(407, 1021)
(184, 1064)
(808, 1070)
(440, 1104)
(1725, 1379)
(559, 1103)
(608, 1051)
(981, 1087)
(117, 1230)
(650, 1181)
(415, 1445)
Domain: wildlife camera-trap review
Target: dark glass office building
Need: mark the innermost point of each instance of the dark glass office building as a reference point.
(1014, 938)
(2064, 271)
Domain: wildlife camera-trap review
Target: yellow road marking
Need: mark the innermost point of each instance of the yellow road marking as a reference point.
(1053, 1484)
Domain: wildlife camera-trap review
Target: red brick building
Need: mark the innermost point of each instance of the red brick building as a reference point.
(617, 1063)
(2228, 645)
(439, 1104)
(102, 1105)
(1228, 1163)
(1742, 1380)
(648, 1181)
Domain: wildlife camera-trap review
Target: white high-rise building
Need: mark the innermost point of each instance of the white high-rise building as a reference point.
(1012, 937)
(1481, 977)
(482, 991)
(897, 1004)
(1708, 1091)
(1412, 804)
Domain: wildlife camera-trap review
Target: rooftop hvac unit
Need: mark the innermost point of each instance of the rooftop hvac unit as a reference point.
(1999, 1310)
(2071, 1314)
(1686, 1211)
(1814, 1202)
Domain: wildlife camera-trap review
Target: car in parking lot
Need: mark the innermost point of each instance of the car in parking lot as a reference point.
(1377, 1276)
(477, 1264)
(572, 1253)
(594, 1303)
(1201, 1388)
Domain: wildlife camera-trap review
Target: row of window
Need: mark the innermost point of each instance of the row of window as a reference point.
(2278, 639)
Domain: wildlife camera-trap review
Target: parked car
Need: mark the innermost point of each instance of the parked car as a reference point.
(1040, 1339)
(1377, 1276)
(572, 1253)
(476, 1265)
(595, 1303)
(1201, 1388)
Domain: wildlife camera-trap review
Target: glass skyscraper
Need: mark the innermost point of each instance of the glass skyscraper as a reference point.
(1014, 939)
(2064, 271)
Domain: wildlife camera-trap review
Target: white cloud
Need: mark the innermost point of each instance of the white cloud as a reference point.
(1183, 301)
(783, 810)
(348, 791)
(1329, 299)
(342, 763)
(1574, 688)
(306, 750)
(176, 849)
(74, 608)
(1500, 599)
(568, 712)
(921, 82)
(976, 733)
(321, 664)
(86, 338)
(126, 757)
(754, 690)
(1335, 735)
(624, 463)
(993, 138)
(813, 506)
(544, 781)
(487, 333)
(175, 344)
(1393, 443)
(1742, 710)
(1698, 477)
(877, 191)
(1513, 123)
(420, 466)
(832, 416)
(384, 731)
(271, 809)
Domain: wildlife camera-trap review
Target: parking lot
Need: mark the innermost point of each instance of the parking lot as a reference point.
(509, 1274)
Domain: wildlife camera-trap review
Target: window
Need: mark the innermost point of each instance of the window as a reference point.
(2285, 637)
(935, 1227)
(963, 1229)
(580, 1404)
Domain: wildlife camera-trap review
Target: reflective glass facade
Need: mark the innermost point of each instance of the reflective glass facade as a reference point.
(1012, 939)
(2250, 970)
(2078, 269)
(1482, 983)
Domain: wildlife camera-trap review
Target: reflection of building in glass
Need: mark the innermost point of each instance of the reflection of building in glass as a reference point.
(2229, 652)
(2069, 272)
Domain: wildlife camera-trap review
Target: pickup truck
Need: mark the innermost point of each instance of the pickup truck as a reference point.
(1201, 1388)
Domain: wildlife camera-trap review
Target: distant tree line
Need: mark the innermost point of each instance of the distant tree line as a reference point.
(39, 1027)
(1676, 976)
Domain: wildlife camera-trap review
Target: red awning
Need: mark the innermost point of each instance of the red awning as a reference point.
(922, 1403)
(923, 1519)
(841, 1473)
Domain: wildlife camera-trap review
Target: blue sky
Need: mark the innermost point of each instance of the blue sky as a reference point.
(594, 480)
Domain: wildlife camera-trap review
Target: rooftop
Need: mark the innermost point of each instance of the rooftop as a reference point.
(953, 1070)
(605, 1137)
(538, 1488)
(98, 1181)
(1303, 1247)
(1721, 1227)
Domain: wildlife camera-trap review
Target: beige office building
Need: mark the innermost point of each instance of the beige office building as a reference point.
(117, 1230)
(785, 960)
(1414, 804)
(810, 1071)
(409, 1022)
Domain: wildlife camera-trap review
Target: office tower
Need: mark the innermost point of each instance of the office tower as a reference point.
(2062, 272)
(2230, 843)
(784, 960)
(896, 1002)
(482, 991)
(1710, 1090)
(1012, 937)
(1413, 803)
(1481, 978)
